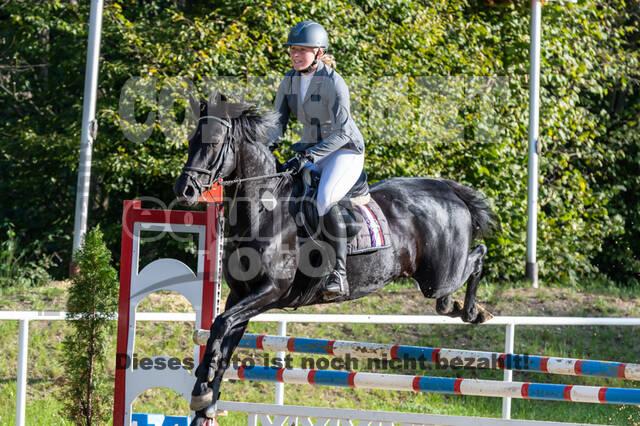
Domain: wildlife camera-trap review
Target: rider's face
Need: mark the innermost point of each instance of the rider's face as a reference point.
(302, 56)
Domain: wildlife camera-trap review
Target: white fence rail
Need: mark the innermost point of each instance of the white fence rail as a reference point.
(276, 415)
(282, 319)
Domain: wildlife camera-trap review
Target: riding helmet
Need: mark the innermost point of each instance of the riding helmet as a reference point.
(308, 33)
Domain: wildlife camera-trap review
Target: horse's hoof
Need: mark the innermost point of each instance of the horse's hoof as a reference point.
(198, 420)
(482, 317)
(211, 410)
(469, 316)
(470, 313)
(200, 402)
(456, 309)
(444, 305)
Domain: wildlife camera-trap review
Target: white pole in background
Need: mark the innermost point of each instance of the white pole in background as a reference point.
(282, 331)
(534, 145)
(21, 396)
(509, 337)
(89, 125)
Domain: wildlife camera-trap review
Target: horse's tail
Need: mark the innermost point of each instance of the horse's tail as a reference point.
(482, 218)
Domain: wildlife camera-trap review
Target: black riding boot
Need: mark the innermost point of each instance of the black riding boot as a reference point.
(335, 284)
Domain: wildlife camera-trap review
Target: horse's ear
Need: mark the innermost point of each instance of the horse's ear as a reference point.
(194, 104)
(217, 98)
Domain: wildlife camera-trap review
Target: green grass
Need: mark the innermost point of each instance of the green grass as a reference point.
(607, 343)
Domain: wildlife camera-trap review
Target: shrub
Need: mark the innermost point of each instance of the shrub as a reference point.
(92, 306)
(17, 269)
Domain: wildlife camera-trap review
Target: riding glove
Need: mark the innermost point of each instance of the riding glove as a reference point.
(295, 164)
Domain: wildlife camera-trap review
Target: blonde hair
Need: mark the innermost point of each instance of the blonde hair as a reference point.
(328, 60)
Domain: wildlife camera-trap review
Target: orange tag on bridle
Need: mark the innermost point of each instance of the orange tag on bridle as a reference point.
(212, 195)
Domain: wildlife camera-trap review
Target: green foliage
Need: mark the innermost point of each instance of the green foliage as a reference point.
(92, 304)
(621, 250)
(42, 54)
(18, 270)
(437, 89)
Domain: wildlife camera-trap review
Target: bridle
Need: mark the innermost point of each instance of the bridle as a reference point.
(218, 162)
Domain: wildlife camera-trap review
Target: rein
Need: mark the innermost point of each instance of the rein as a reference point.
(274, 175)
(220, 157)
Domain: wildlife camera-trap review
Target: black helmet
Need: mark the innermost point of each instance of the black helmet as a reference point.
(308, 33)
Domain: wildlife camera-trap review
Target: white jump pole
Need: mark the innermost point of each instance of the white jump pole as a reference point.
(448, 385)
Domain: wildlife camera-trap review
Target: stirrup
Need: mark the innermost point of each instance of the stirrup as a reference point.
(333, 289)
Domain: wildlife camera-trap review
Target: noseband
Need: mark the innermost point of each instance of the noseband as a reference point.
(218, 162)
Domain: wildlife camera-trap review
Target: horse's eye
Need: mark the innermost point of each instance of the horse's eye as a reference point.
(215, 140)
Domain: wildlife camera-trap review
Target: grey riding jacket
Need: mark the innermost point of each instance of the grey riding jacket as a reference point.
(324, 113)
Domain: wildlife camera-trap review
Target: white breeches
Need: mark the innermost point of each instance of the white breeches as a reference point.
(339, 171)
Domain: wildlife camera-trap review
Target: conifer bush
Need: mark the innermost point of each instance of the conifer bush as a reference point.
(91, 307)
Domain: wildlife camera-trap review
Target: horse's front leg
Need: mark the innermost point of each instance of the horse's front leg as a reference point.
(220, 346)
(206, 394)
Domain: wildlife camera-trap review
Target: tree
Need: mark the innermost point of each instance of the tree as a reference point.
(92, 304)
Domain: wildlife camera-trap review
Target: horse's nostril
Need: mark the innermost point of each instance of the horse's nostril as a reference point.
(189, 192)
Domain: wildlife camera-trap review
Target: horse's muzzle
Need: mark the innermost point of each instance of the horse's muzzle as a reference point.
(186, 192)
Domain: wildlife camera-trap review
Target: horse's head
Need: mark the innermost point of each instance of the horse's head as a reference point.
(211, 148)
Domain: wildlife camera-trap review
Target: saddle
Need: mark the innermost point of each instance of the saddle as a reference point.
(367, 227)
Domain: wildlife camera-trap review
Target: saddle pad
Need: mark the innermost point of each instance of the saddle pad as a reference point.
(374, 230)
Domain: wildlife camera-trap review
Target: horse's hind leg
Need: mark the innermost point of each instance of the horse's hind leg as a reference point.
(473, 272)
(431, 280)
(445, 305)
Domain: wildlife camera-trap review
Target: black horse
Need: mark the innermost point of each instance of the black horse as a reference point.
(433, 223)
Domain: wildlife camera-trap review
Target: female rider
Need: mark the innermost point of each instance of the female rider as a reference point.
(319, 98)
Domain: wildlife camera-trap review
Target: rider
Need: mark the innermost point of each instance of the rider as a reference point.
(319, 98)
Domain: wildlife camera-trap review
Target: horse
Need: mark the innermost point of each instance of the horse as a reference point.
(432, 223)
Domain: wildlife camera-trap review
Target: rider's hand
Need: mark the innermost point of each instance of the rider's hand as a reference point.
(295, 164)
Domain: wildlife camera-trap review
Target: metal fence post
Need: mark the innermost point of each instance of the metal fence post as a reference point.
(508, 374)
(282, 331)
(534, 142)
(89, 124)
(23, 347)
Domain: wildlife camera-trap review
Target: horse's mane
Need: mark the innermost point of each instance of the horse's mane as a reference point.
(254, 126)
